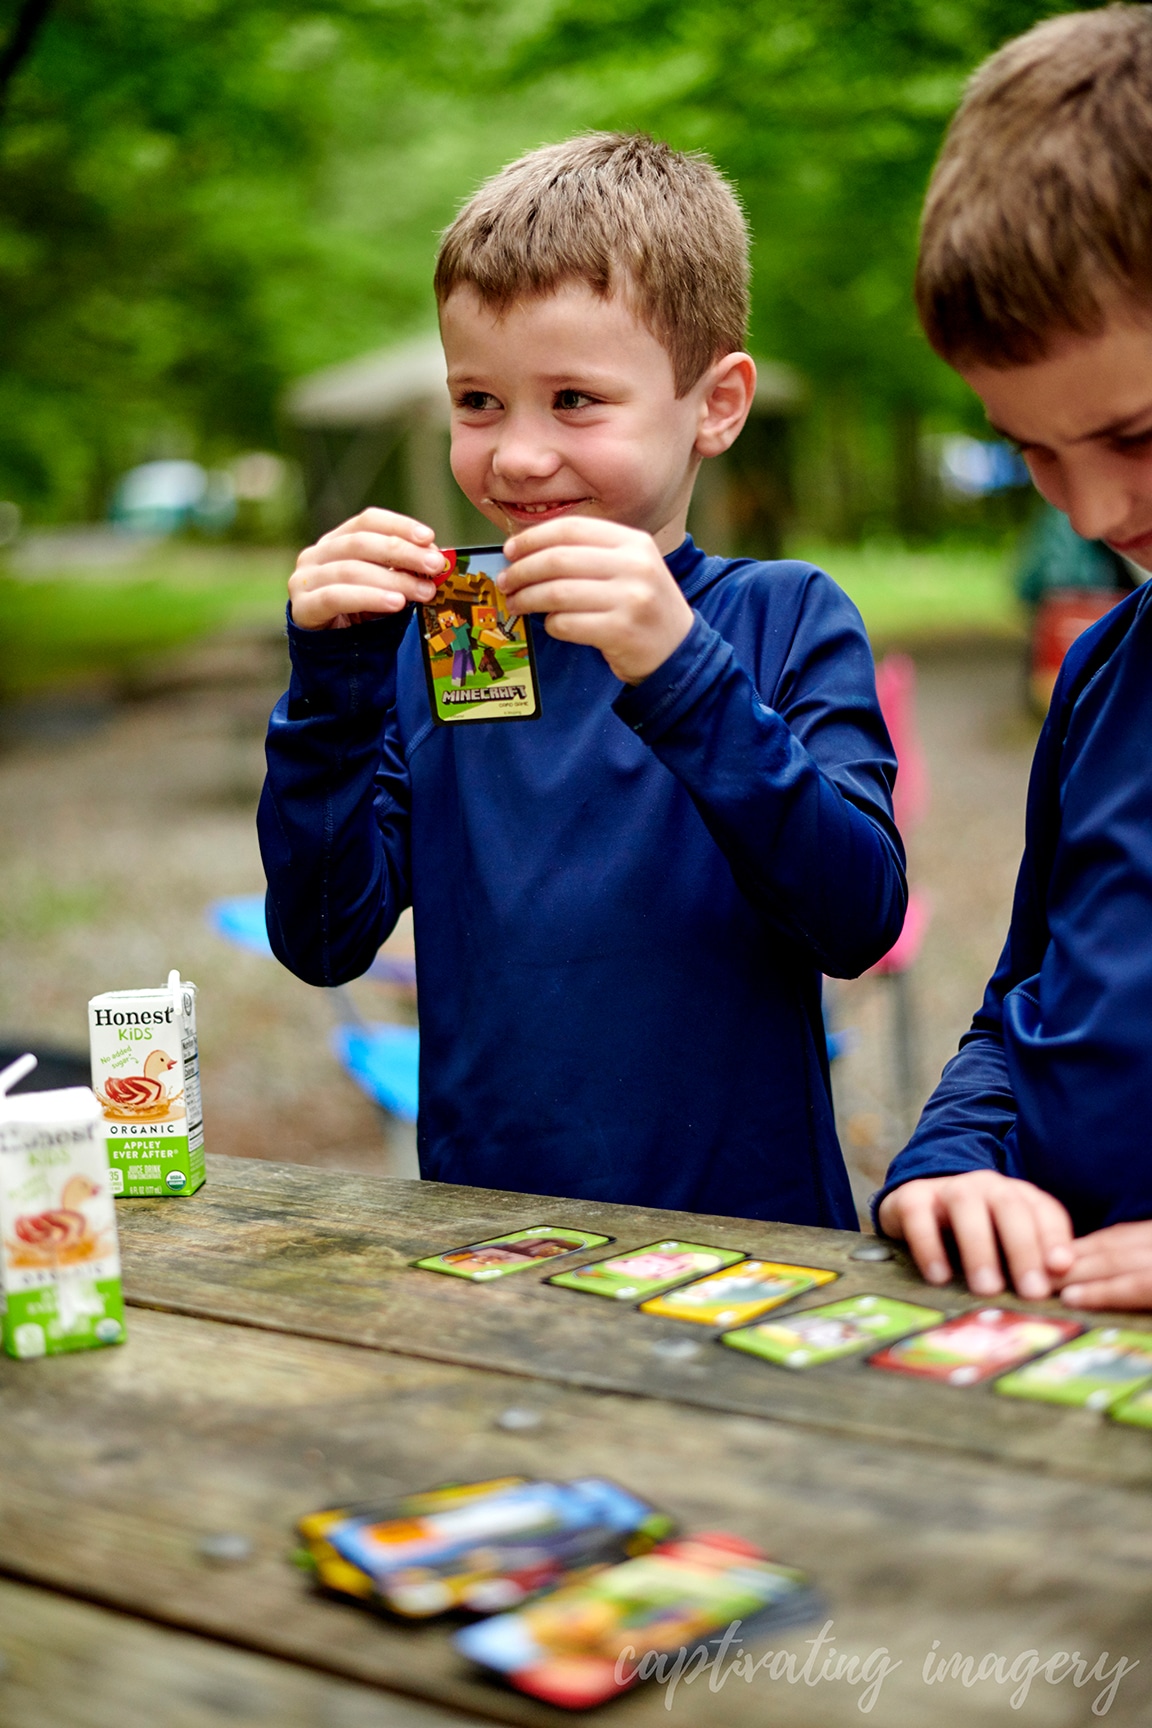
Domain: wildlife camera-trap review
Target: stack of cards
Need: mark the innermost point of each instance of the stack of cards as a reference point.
(585, 1643)
(845, 1328)
(479, 1546)
(515, 1252)
(644, 1272)
(975, 1346)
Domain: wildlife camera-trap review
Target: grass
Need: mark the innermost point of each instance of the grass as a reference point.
(80, 624)
(913, 597)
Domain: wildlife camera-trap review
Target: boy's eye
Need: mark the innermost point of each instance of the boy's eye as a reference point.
(569, 399)
(1134, 440)
(476, 402)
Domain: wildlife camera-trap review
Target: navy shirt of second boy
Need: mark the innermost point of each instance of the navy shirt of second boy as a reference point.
(622, 909)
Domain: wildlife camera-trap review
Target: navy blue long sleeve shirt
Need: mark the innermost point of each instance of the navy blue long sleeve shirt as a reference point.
(622, 909)
(1054, 1081)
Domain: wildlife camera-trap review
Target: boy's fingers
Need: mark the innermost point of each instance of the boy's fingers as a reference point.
(384, 550)
(567, 531)
(377, 521)
(1018, 1229)
(339, 599)
(916, 1216)
(972, 1227)
(1126, 1290)
(585, 563)
(315, 578)
(561, 596)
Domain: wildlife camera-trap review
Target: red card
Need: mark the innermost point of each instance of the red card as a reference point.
(976, 1346)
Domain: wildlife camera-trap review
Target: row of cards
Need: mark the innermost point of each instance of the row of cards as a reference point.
(593, 1566)
(1104, 1369)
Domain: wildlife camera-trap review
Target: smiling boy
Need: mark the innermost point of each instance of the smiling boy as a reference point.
(1035, 282)
(623, 908)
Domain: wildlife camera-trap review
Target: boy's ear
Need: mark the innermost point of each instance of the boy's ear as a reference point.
(725, 397)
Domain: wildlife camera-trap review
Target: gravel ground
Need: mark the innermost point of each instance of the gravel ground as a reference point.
(122, 821)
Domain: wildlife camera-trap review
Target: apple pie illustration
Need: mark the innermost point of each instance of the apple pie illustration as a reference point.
(139, 1097)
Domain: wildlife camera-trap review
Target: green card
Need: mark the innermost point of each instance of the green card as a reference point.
(647, 1271)
(1095, 1371)
(515, 1252)
(835, 1329)
(1136, 1409)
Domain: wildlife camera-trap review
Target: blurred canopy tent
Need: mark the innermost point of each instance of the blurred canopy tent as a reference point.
(375, 430)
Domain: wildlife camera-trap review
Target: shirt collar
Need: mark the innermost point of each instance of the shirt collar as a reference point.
(691, 567)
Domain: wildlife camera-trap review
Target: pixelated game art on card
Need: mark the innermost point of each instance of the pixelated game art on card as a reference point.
(479, 662)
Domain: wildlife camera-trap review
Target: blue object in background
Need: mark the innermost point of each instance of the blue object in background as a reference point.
(384, 1061)
(166, 497)
(240, 920)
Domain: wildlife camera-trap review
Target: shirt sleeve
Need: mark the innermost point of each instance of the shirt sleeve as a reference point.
(334, 813)
(969, 1122)
(797, 794)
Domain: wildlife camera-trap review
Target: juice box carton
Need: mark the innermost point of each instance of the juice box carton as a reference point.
(146, 1075)
(59, 1258)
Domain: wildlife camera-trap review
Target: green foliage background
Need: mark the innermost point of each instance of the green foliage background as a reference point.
(201, 199)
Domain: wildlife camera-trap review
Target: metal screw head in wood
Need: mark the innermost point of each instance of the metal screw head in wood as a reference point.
(225, 1548)
(873, 1251)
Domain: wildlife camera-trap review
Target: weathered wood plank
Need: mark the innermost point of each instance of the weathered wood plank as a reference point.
(326, 1255)
(69, 1664)
(116, 1464)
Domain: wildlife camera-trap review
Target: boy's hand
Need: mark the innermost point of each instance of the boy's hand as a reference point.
(1111, 1268)
(986, 1212)
(374, 564)
(600, 584)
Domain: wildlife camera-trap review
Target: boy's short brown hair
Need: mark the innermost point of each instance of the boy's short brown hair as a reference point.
(621, 212)
(1039, 213)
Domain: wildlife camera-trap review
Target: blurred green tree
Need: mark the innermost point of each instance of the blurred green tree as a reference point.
(200, 199)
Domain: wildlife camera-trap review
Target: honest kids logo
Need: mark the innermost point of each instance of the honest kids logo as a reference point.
(478, 657)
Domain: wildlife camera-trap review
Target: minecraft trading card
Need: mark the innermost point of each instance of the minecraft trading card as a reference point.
(515, 1252)
(975, 1345)
(1096, 1371)
(478, 657)
(737, 1293)
(646, 1271)
(825, 1334)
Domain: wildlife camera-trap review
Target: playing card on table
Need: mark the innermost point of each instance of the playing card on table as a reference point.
(1096, 1371)
(975, 1346)
(737, 1292)
(835, 1329)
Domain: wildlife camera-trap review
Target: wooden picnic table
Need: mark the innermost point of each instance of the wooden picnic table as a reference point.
(284, 1355)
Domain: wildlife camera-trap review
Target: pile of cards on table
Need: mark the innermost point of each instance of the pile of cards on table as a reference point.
(586, 1568)
(1025, 1353)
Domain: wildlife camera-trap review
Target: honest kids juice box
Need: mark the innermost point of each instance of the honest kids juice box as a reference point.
(146, 1074)
(60, 1266)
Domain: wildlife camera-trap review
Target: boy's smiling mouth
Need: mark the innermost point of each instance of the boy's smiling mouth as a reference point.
(537, 510)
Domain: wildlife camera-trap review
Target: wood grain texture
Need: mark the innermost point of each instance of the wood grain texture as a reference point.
(69, 1664)
(327, 1255)
(117, 1463)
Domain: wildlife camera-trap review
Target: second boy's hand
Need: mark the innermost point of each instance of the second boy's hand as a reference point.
(600, 584)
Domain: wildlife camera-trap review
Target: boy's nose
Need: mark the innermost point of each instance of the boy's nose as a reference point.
(1102, 504)
(521, 455)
